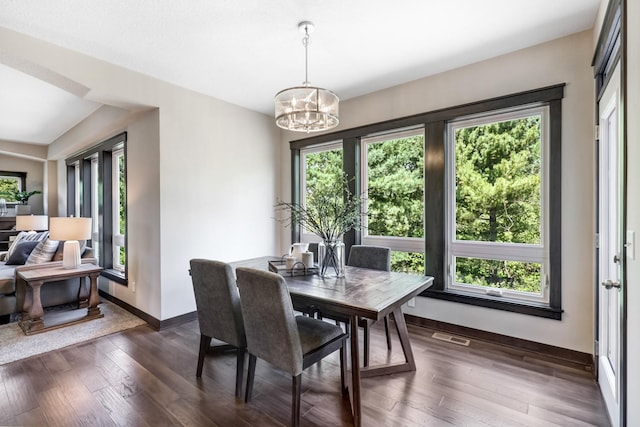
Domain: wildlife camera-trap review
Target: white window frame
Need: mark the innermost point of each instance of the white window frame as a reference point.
(395, 243)
(95, 208)
(306, 236)
(118, 239)
(533, 253)
(78, 190)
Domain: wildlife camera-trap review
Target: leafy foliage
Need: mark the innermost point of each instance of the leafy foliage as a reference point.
(407, 262)
(12, 194)
(330, 210)
(498, 190)
(396, 187)
(122, 189)
(8, 186)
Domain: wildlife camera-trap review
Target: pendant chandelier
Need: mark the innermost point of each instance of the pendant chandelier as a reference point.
(306, 108)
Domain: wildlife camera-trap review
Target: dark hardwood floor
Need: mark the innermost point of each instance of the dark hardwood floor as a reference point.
(143, 377)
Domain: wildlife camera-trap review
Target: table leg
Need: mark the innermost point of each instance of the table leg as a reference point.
(35, 310)
(408, 365)
(403, 334)
(83, 293)
(355, 373)
(94, 298)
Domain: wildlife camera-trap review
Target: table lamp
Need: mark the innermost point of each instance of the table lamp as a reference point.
(70, 230)
(32, 222)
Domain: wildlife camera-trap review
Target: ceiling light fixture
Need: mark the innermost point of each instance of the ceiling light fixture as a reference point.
(306, 108)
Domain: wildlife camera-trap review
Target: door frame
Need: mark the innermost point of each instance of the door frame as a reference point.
(610, 49)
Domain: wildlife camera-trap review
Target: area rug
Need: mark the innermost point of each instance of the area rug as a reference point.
(15, 345)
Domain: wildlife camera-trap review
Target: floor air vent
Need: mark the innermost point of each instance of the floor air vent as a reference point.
(450, 338)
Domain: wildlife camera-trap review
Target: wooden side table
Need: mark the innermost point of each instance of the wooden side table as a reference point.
(33, 318)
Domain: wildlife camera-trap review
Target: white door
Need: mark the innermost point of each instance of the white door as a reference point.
(610, 248)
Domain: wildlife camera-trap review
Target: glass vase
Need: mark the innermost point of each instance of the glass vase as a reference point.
(331, 258)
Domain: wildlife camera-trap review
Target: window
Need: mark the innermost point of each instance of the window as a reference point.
(470, 192)
(10, 183)
(321, 168)
(119, 198)
(393, 181)
(497, 205)
(96, 187)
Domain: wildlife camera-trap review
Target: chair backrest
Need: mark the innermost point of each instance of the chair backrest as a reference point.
(272, 331)
(218, 301)
(373, 257)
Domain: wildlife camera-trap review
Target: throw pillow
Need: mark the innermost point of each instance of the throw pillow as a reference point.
(58, 255)
(21, 252)
(26, 236)
(43, 252)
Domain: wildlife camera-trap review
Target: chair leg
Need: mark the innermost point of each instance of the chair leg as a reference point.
(295, 397)
(386, 330)
(343, 369)
(239, 371)
(250, 374)
(205, 342)
(367, 336)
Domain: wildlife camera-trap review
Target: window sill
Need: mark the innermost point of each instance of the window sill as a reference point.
(498, 303)
(115, 276)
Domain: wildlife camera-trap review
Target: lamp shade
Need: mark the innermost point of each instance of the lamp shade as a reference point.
(70, 228)
(32, 222)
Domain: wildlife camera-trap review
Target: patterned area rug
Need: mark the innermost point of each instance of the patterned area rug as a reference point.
(15, 345)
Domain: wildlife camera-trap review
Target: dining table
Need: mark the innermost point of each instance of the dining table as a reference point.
(361, 293)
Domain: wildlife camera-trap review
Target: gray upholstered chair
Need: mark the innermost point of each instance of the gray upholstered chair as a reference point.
(219, 312)
(274, 334)
(375, 258)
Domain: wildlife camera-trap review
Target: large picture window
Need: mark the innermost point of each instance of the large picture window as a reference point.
(97, 188)
(497, 205)
(469, 194)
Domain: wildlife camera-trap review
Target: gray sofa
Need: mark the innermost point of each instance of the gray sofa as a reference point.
(13, 291)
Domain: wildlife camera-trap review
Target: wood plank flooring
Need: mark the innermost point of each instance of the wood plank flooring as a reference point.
(143, 377)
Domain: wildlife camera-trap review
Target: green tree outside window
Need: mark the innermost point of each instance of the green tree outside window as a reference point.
(498, 199)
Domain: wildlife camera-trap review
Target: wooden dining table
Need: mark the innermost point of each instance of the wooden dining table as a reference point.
(361, 293)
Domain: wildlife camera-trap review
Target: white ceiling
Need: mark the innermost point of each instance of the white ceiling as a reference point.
(244, 51)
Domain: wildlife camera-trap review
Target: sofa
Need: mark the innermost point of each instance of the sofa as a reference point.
(13, 291)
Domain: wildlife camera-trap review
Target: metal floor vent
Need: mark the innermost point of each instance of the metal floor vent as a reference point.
(450, 338)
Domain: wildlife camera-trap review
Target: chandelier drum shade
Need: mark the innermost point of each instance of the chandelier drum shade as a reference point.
(306, 108)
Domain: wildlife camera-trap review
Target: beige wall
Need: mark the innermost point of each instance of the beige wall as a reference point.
(201, 173)
(565, 60)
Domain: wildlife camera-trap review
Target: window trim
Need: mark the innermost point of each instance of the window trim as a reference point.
(435, 129)
(104, 153)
